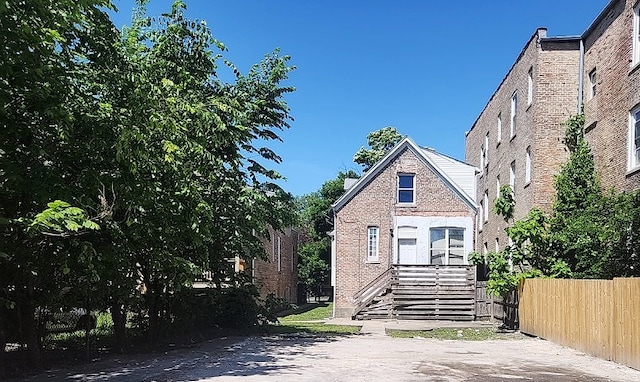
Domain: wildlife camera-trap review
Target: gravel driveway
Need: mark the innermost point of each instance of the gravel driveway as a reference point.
(364, 357)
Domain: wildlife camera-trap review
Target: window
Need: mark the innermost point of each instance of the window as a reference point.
(497, 245)
(485, 248)
(514, 107)
(636, 36)
(406, 188)
(446, 246)
(634, 139)
(499, 132)
(530, 87)
(527, 166)
(279, 253)
(512, 176)
(497, 186)
(486, 204)
(592, 83)
(372, 244)
(483, 156)
(486, 150)
(480, 215)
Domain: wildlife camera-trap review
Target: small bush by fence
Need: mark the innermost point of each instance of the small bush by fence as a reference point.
(598, 317)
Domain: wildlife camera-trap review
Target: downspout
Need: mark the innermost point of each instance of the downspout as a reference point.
(580, 75)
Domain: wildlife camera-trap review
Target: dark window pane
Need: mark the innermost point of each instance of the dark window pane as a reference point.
(406, 181)
(405, 196)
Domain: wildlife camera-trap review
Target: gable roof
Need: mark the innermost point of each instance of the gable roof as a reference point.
(453, 173)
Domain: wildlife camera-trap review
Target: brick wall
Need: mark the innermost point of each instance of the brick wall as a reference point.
(608, 47)
(375, 205)
(278, 275)
(553, 64)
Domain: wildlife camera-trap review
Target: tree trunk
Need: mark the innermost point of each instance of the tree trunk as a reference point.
(119, 318)
(3, 344)
(31, 336)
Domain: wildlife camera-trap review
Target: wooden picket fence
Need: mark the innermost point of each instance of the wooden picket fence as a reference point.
(598, 317)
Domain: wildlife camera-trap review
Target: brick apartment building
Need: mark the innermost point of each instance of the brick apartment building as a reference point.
(414, 207)
(517, 138)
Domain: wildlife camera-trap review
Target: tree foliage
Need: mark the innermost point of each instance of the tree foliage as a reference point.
(136, 134)
(380, 142)
(316, 220)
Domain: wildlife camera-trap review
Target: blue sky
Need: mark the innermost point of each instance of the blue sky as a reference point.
(425, 67)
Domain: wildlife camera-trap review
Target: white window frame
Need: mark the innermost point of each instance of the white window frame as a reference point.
(635, 59)
(373, 244)
(530, 86)
(480, 216)
(482, 158)
(633, 161)
(499, 128)
(497, 186)
(448, 244)
(592, 83)
(412, 189)
(527, 166)
(486, 151)
(486, 204)
(514, 112)
(497, 245)
(279, 253)
(512, 176)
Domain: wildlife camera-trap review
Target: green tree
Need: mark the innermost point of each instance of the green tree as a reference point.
(380, 142)
(139, 136)
(316, 220)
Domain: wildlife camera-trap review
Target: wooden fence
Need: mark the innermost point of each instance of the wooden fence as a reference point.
(598, 317)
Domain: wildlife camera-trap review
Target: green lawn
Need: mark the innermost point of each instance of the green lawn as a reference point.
(465, 334)
(310, 312)
(310, 319)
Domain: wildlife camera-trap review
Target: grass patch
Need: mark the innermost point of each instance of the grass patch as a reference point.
(302, 320)
(312, 328)
(465, 334)
(318, 312)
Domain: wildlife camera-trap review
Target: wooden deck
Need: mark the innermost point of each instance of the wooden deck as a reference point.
(419, 292)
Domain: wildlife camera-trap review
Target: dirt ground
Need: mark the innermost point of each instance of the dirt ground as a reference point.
(363, 357)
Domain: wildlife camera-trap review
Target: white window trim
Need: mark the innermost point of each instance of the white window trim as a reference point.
(413, 188)
(512, 176)
(465, 259)
(499, 132)
(373, 254)
(527, 166)
(530, 87)
(486, 150)
(633, 163)
(486, 206)
(497, 186)
(635, 59)
(514, 112)
(279, 253)
(480, 216)
(593, 79)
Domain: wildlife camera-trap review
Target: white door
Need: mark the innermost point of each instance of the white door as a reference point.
(407, 253)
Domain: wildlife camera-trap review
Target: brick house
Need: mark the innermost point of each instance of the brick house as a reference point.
(278, 275)
(518, 137)
(415, 208)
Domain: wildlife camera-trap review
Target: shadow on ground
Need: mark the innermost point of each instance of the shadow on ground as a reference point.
(251, 356)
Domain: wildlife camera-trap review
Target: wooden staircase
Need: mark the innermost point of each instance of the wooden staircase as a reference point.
(419, 292)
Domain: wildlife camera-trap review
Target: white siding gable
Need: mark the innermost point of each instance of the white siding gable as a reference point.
(462, 174)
